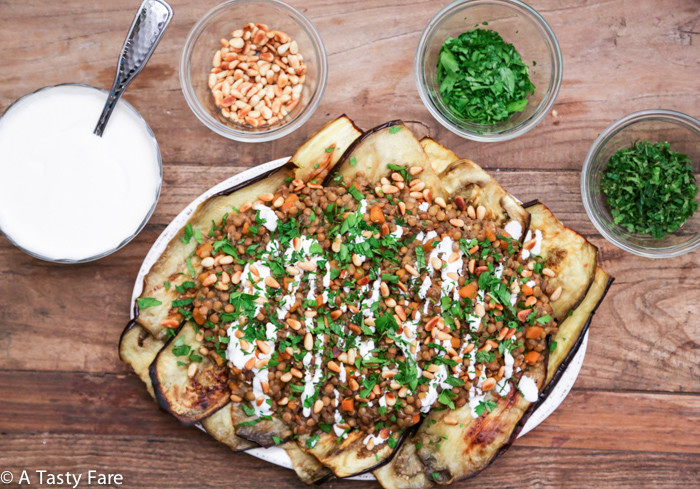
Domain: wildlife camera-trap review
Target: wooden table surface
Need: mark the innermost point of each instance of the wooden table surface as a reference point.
(633, 417)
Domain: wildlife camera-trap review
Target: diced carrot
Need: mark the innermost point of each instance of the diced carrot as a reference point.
(204, 250)
(292, 405)
(363, 280)
(490, 235)
(289, 202)
(532, 357)
(197, 316)
(245, 228)
(348, 405)
(376, 215)
(526, 290)
(533, 332)
(416, 418)
(468, 290)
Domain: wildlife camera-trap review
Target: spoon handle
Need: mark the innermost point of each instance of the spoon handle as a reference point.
(146, 31)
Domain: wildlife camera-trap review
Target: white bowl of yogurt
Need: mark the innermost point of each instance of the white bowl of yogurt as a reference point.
(67, 195)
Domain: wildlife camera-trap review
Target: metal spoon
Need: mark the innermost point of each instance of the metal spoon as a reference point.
(146, 31)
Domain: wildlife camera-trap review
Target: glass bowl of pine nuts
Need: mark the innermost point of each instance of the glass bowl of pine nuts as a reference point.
(253, 70)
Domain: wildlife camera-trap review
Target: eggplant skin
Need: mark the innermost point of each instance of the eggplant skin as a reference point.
(138, 349)
(188, 399)
(221, 427)
(390, 143)
(351, 457)
(307, 468)
(573, 329)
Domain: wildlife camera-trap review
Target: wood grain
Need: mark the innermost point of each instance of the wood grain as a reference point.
(633, 418)
(179, 461)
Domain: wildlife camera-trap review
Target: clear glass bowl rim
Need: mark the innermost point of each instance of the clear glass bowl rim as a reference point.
(259, 136)
(550, 98)
(148, 214)
(671, 116)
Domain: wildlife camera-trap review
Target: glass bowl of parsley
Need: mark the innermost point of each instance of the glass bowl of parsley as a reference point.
(639, 183)
(488, 70)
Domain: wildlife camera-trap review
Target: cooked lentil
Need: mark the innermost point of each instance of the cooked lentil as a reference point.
(346, 307)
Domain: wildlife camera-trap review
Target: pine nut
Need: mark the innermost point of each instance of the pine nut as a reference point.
(263, 347)
(411, 270)
(308, 342)
(556, 294)
(384, 289)
(249, 364)
(271, 282)
(208, 262)
(308, 266)
(192, 370)
(480, 212)
(450, 420)
(548, 272)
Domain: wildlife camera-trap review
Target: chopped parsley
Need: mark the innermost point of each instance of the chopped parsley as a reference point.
(650, 189)
(487, 405)
(482, 78)
(146, 302)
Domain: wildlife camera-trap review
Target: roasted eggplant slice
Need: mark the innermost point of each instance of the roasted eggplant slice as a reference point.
(309, 470)
(220, 426)
(171, 265)
(138, 348)
(568, 254)
(440, 157)
(571, 331)
(465, 178)
(389, 144)
(351, 456)
(452, 444)
(189, 399)
(317, 156)
(470, 445)
(265, 431)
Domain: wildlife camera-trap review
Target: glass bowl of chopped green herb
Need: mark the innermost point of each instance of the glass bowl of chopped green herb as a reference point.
(639, 183)
(488, 70)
